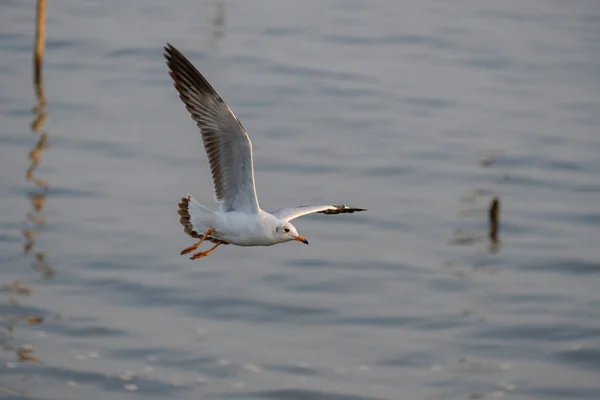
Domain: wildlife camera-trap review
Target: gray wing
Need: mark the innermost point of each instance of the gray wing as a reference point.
(289, 214)
(226, 142)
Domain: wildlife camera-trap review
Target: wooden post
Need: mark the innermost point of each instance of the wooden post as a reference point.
(494, 218)
(38, 55)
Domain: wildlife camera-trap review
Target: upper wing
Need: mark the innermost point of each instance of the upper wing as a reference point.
(226, 142)
(289, 214)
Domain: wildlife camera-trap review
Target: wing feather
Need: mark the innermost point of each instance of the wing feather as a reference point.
(226, 142)
(289, 214)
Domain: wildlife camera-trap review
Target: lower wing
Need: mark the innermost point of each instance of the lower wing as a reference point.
(289, 214)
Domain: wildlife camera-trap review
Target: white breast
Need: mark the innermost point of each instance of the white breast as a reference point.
(244, 229)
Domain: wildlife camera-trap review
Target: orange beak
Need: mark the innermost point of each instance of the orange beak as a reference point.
(301, 239)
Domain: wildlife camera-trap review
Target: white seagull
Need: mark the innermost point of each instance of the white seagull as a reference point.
(240, 220)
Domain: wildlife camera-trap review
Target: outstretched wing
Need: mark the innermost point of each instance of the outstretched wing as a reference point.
(289, 214)
(226, 142)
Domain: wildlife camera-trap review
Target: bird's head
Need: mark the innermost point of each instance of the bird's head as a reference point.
(284, 231)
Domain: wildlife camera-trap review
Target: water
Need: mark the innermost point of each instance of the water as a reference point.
(419, 111)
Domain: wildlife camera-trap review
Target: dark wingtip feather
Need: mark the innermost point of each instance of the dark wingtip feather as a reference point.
(342, 209)
(185, 76)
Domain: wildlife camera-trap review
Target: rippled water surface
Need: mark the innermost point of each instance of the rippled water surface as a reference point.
(420, 111)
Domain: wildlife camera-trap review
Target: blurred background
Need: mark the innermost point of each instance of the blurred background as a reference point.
(420, 111)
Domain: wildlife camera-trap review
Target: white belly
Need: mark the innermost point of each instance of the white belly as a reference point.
(241, 229)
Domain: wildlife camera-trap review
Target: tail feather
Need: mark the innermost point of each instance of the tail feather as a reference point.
(190, 208)
(185, 219)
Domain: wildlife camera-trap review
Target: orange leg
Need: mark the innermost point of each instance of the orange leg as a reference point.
(195, 246)
(201, 254)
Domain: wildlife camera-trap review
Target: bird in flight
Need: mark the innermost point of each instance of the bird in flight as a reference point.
(239, 221)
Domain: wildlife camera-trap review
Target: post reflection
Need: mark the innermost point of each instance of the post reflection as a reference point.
(38, 197)
(473, 213)
(17, 291)
(218, 24)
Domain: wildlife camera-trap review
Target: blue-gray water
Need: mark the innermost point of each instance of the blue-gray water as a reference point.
(420, 111)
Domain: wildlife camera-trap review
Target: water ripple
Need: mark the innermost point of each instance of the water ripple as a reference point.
(304, 394)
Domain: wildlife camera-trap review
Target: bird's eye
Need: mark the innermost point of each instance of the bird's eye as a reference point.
(286, 230)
